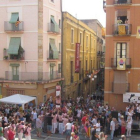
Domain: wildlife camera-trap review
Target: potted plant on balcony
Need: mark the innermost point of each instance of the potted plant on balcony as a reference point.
(5, 57)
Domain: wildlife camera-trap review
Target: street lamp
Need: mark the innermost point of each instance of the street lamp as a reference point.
(92, 79)
(89, 76)
(95, 76)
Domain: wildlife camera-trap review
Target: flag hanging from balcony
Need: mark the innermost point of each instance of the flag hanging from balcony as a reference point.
(121, 63)
(138, 32)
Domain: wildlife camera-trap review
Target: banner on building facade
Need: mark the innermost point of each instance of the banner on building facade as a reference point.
(77, 58)
(131, 97)
(121, 64)
(138, 32)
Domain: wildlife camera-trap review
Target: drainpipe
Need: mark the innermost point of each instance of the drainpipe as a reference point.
(62, 76)
(90, 66)
(83, 59)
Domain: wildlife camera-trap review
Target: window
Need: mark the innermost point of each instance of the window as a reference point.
(122, 15)
(72, 36)
(59, 47)
(121, 50)
(71, 71)
(91, 66)
(12, 92)
(87, 41)
(52, 1)
(51, 73)
(80, 38)
(86, 65)
(59, 68)
(59, 23)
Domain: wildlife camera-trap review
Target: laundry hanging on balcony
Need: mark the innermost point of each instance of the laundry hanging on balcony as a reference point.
(14, 45)
(14, 18)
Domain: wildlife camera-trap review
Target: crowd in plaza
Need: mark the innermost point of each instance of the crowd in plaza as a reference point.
(71, 118)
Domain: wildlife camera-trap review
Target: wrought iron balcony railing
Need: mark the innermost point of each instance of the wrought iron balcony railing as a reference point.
(122, 29)
(53, 28)
(114, 63)
(31, 76)
(13, 27)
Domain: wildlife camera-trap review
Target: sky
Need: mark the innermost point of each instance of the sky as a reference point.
(85, 9)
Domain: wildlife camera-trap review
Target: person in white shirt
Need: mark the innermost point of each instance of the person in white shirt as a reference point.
(34, 117)
(68, 130)
(129, 124)
(112, 128)
(98, 127)
(94, 120)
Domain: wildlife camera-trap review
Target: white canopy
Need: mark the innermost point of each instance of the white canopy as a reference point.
(17, 99)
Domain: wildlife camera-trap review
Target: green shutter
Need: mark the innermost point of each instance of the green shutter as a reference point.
(14, 45)
(14, 18)
(54, 48)
(56, 27)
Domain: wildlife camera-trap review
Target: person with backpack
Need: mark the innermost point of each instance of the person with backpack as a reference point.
(27, 132)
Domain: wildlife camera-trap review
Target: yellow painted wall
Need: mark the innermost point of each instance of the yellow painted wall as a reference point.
(89, 49)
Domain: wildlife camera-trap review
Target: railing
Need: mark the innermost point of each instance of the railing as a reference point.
(50, 55)
(8, 27)
(72, 79)
(114, 63)
(32, 76)
(122, 29)
(53, 28)
(124, 2)
(127, 85)
(100, 53)
(7, 56)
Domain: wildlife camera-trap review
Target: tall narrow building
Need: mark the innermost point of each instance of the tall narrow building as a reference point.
(30, 47)
(122, 67)
(79, 58)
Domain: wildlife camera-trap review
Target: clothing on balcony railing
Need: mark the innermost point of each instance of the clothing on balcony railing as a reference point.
(14, 45)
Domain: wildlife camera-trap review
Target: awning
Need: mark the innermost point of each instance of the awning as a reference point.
(120, 82)
(14, 45)
(14, 18)
(56, 27)
(54, 48)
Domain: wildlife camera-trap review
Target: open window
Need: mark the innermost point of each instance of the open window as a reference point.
(122, 16)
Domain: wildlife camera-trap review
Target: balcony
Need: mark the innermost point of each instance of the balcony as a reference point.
(8, 57)
(120, 88)
(114, 63)
(53, 55)
(72, 79)
(53, 28)
(14, 27)
(122, 29)
(122, 2)
(100, 53)
(31, 76)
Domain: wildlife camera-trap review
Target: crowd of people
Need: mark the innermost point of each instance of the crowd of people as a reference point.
(88, 117)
